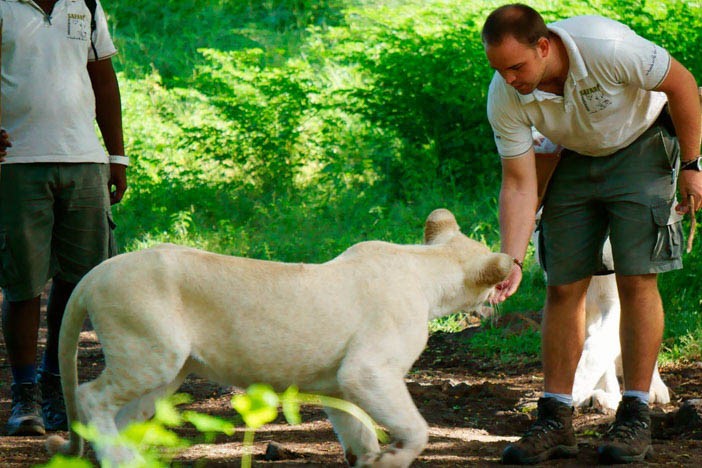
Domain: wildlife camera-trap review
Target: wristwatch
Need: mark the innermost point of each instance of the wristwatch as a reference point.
(692, 165)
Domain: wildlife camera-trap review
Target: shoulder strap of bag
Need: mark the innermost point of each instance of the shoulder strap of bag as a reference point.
(92, 6)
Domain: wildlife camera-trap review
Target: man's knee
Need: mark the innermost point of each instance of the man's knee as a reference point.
(634, 285)
(567, 293)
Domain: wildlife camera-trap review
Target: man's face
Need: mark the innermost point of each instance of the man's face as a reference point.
(522, 67)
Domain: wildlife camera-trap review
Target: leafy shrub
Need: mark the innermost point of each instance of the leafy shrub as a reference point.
(289, 130)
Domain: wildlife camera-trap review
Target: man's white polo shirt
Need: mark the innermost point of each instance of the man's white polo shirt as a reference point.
(48, 105)
(606, 103)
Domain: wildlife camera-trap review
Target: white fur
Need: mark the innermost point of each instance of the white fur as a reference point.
(596, 377)
(351, 327)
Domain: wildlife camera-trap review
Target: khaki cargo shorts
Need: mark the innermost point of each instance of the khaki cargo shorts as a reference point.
(55, 221)
(629, 195)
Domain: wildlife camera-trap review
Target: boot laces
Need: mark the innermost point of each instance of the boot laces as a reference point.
(543, 426)
(627, 425)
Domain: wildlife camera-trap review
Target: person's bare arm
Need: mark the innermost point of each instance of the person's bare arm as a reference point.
(518, 199)
(684, 105)
(108, 111)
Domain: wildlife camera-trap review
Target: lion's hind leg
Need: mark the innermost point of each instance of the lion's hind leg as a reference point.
(98, 404)
(144, 406)
(113, 400)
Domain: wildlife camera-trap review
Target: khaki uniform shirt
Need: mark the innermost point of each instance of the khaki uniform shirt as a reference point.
(607, 101)
(48, 105)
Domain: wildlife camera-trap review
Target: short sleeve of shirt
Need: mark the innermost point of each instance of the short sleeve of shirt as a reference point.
(511, 131)
(101, 37)
(640, 62)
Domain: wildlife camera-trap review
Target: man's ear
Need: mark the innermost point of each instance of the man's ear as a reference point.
(543, 46)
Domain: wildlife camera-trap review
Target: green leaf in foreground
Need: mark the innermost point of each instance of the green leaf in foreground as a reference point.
(258, 406)
(60, 461)
(207, 423)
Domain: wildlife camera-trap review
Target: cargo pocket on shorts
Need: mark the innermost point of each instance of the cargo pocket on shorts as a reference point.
(8, 270)
(669, 235)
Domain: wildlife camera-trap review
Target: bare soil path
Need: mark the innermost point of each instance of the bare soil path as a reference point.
(473, 407)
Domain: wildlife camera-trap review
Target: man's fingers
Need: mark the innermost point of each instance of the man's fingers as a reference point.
(690, 204)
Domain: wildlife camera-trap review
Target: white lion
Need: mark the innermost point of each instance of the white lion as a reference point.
(351, 327)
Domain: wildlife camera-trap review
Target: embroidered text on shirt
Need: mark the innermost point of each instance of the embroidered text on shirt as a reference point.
(594, 99)
(77, 27)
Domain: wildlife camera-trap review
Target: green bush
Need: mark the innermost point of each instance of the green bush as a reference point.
(289, 130)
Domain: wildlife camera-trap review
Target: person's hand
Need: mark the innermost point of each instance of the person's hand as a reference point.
(117, 184)
(4, 143)
(690, 183)
(508, 287)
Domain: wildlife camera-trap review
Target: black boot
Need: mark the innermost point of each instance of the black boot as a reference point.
(25, 418)
(629, 438)
(551, 436)
(53, 408)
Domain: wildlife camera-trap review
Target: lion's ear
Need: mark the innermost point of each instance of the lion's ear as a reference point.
(495, 268)
(440, 226)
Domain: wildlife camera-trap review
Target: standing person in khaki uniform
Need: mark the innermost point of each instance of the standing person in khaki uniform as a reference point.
(57, 80)
(599, 90)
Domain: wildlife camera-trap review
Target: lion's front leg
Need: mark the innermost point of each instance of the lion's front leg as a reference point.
(386, 399)
(356, 439)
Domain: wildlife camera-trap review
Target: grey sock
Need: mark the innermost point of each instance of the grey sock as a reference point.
(560, 397)
(643, 396)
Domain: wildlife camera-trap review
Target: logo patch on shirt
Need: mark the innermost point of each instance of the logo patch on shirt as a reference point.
(78, 27)
(594, 99)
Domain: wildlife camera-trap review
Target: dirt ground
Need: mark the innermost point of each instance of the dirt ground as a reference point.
(473, 406)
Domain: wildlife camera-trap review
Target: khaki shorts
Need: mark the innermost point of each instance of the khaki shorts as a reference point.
(629, 195)
(55, 221)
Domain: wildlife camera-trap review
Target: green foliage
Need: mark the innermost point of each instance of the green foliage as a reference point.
(452, 323)
(507, 347)
(428, 62)
(156, 444)
(673, 24)
(163, 37)
(682, 300)
(291, 129)
(59, 461)
(258, 406)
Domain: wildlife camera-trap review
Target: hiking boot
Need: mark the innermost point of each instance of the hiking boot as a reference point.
(629, 438)
(551, 436)
(25, 418)
(53, 408)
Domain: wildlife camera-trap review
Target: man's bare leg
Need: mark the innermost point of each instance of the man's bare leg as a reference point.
(640, 333)
(641, 329)
(563, 335)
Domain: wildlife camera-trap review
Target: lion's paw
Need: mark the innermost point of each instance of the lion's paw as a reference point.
(605, 402)
(659, 392)
(392, 457)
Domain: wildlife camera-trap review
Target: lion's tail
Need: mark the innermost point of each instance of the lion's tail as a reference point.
(71, 326)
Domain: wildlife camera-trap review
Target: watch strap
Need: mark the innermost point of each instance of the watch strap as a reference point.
(692, 165)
